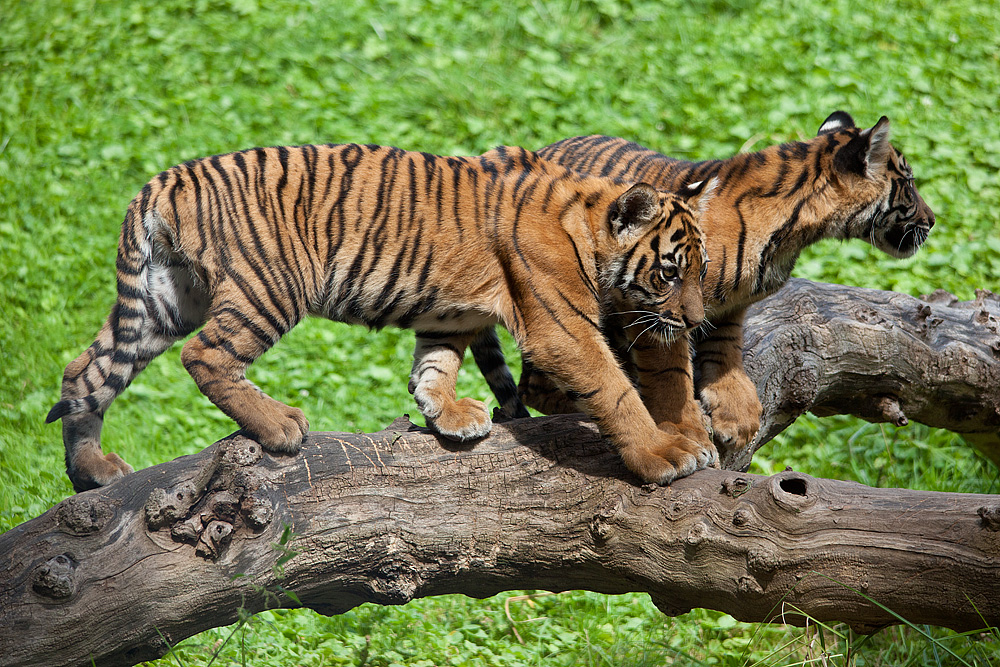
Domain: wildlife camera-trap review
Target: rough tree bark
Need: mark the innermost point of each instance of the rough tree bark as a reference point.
(882, 356)
(113, 574)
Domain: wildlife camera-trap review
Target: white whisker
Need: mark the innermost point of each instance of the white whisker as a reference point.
(643, 320)
(636, 340)
(669, 339)
(903, 238)
(705, 328)
(632, 312)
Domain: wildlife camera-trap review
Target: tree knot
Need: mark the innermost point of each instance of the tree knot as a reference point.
(83, 514)
(742, 516)
(748, 585)
(734, 487)
(791, 491)
(396, 581)
(227, 493)
(696, 534)
(56, 579)
(990, 517)
(214, 539)
(164, 506)
(888, 409)
(240, 451)
(761, 560)
(602, 525)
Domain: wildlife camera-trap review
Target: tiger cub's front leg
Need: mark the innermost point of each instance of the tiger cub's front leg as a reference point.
(436, 360)
(666, 384)
(587, 370)
(727, 393)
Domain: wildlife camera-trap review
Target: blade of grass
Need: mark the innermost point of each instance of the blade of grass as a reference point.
(929, 637)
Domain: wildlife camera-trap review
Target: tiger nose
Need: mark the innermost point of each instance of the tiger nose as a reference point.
(691, 322)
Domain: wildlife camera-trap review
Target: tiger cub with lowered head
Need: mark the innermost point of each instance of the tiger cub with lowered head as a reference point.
(765, 208)
(247, 244)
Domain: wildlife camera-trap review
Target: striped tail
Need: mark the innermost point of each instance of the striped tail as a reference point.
(488, 353)
(93, 381)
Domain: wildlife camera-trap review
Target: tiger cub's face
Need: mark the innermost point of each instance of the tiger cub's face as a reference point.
(888, 212)
(906, 219)
(655, 285)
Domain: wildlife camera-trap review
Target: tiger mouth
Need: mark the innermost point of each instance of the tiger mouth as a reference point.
(669, 328)
(905, 241)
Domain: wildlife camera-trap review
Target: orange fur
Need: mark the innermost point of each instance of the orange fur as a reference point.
(247, 244)
(766, 207)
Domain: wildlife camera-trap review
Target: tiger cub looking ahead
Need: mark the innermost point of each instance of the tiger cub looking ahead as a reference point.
(765, 208)
(245, 245)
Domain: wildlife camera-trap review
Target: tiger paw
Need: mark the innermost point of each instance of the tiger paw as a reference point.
(694, 423)
(91, 469)
(279, 428)
(735, 412)
(462, 420)
(673, 456)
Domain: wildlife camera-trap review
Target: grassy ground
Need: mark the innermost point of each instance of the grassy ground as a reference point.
(95, 97)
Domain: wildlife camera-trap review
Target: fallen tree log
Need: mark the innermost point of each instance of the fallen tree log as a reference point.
(117, 574)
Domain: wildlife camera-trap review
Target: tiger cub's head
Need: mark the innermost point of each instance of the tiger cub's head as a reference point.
(888, 211)
(655, 277)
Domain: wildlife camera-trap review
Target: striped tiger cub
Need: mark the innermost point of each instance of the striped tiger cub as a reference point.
(245, 245)
(766, 207)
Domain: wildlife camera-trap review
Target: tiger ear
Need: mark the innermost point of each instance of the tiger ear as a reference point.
(838, 120)
(866, 154)
(634, 210)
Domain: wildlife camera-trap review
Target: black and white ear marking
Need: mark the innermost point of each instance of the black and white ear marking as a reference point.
(698, 194)
(693, 189)
(635, 209)
(838, 120)
(868, 153)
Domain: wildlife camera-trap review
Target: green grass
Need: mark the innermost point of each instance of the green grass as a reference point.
(96, 97)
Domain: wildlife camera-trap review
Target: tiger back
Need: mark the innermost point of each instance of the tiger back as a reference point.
(245, 245)
(766, 207)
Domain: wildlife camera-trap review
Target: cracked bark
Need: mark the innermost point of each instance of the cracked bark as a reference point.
(544, 503)
(881, 356)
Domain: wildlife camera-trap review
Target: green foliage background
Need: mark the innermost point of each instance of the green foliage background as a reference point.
(96, 97)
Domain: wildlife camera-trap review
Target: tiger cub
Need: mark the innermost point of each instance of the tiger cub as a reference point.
(245, 245)
(766, 207)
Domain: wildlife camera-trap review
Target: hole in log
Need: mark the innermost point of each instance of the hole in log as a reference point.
(793, 491)
(794, 485)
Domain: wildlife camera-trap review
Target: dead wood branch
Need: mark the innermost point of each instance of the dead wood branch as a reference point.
(542, 503)
(882, 356)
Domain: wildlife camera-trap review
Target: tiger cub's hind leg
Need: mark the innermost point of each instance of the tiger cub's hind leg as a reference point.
(217, 359)
(86, 465)
(538, 391)
(436, 360)
(139, 329)
(488, 353)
